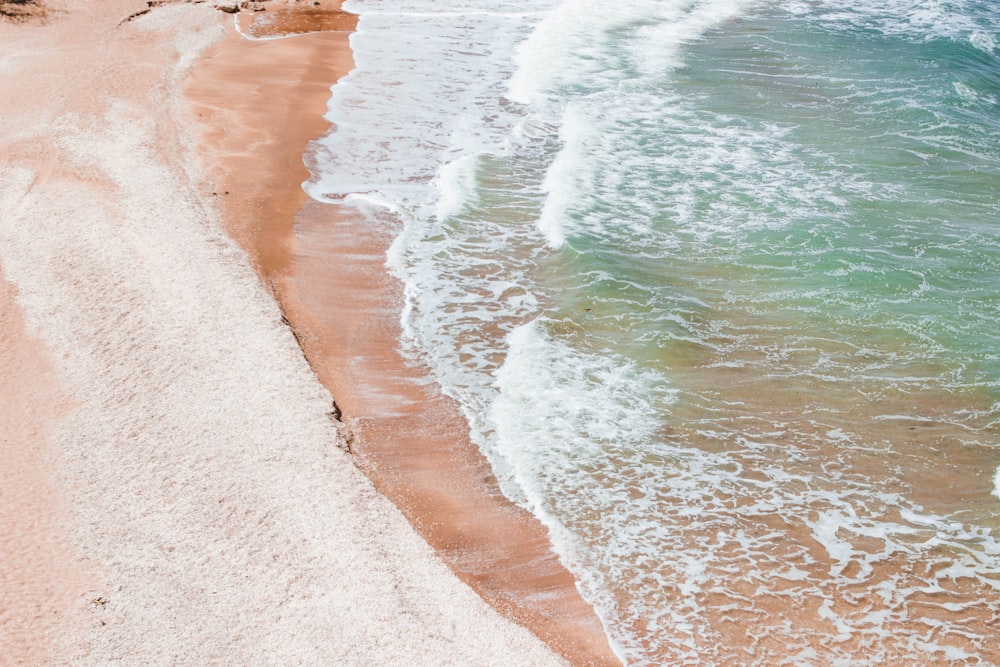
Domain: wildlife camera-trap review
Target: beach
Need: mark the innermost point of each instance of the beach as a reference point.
(177, 486)
(492, 333)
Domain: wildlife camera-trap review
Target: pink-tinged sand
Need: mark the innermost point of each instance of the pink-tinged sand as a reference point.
(187, 485)
(43, 583)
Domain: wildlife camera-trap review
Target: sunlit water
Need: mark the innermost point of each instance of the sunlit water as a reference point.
(716, 285)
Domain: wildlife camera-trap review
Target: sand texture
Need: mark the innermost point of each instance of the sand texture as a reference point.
(174, 459)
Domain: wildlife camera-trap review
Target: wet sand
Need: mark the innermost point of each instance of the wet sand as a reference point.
(175, 490)
(258, 104)
(331, 281)
(413, 441)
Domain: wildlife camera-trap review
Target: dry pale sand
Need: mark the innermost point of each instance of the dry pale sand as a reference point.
(41, 579)
(173, 488)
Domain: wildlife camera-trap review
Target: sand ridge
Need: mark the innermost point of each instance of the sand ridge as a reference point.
(205, 489)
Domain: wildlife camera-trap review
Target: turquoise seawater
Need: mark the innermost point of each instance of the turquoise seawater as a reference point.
(717, 286)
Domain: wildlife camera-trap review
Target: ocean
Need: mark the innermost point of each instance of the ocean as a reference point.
(716, 284)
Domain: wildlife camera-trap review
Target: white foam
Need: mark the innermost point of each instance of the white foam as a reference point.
(456, 185)
(563, 39)
(578, 39)
(559, 411)
(983, 41)
(567, 179)
(965, 91)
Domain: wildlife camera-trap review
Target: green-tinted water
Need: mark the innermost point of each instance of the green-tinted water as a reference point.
(797, 233)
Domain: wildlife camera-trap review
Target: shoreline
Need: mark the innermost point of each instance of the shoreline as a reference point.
(413, 442)
(410, 439)
(207, 497)
(251, 106)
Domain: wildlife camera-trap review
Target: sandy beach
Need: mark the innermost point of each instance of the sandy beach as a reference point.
(329, 276)
(175, 487)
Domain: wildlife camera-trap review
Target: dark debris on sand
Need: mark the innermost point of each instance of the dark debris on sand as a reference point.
(22, 10)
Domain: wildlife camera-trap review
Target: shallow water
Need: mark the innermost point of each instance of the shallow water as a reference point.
(715, 284)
